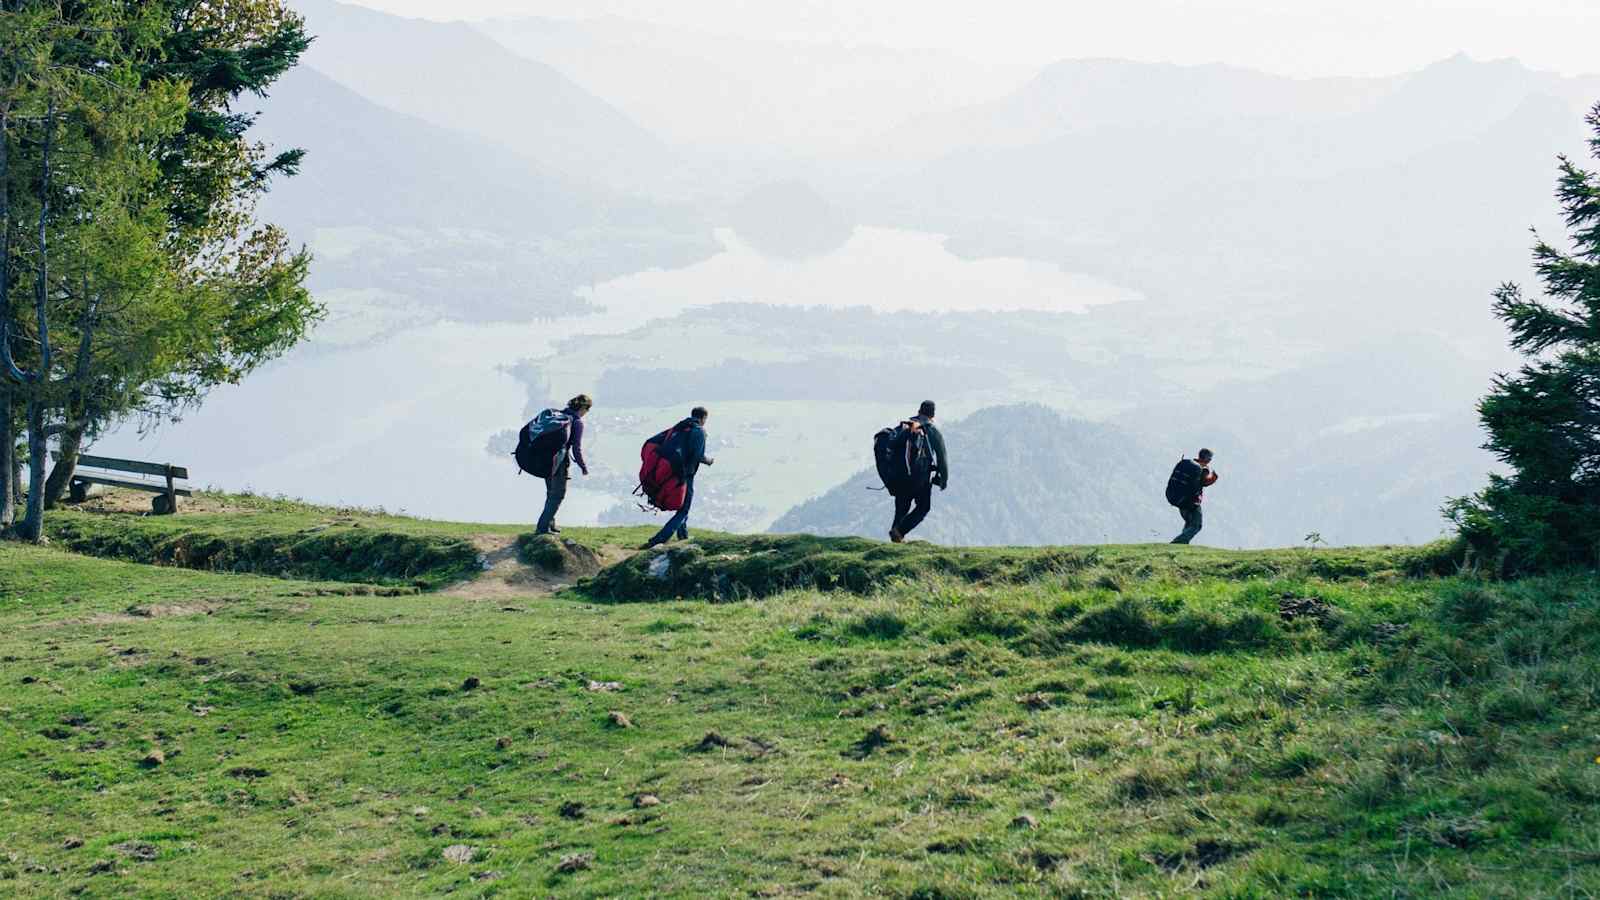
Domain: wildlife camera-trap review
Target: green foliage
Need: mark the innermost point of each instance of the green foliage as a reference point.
(129, 185)
(1542, 420)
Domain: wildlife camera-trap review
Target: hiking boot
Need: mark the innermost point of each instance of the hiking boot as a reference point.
(554, 530)
(896, 536)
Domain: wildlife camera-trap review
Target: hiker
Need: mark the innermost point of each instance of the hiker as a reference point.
(1186, 488)
(570, 451)
(685, 449)
(913, 497)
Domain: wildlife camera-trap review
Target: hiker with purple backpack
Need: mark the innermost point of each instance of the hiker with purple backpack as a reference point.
(547, 447)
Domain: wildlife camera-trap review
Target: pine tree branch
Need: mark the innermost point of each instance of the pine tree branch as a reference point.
(1536, 326)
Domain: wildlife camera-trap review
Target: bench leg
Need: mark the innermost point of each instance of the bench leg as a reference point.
(171, 496)
(164, 504)
(78, 491)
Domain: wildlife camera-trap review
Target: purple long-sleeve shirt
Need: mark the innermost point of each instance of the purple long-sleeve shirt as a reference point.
(575, 440)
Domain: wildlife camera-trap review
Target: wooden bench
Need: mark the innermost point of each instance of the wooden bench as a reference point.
(167, 492)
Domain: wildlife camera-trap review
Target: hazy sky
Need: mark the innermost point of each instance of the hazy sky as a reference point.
(1297, 37)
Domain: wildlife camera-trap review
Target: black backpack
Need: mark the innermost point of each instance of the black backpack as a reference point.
(904, 456)
(542, 441)
(1185, 483)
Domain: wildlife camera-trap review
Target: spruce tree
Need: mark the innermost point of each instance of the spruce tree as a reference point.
(1544, 420)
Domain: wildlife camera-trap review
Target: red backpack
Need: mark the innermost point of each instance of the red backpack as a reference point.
(658, 484)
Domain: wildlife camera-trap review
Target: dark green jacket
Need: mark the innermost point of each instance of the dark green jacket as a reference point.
(941, 466)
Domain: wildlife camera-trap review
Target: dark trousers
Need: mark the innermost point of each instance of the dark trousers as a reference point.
(555, 491)
(679, 523)
(1191, 523)
(911, 508)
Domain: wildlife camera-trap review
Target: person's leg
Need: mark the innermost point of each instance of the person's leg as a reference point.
(683, 514)
(667, 530)
(555, 490)
(1191, 523)
(679, 521)
(924, 502)
(902, 505)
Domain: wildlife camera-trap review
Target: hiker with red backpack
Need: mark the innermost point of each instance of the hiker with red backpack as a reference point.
(547, 447)
(911, 459)
(671, 460)
(1186, 488)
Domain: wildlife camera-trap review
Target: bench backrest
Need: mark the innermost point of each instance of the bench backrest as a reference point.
(131, 465)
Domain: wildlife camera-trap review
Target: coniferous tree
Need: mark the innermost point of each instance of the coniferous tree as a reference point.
(242, 280)
(1544, 420)
(134, 275)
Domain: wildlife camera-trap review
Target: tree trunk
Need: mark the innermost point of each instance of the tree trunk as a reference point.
(71, 442)
(16, 478)
(31, 528)
(8, 462)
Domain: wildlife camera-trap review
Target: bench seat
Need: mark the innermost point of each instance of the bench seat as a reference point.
(153, 487)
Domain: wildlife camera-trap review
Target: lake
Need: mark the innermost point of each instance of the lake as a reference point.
(401, 422)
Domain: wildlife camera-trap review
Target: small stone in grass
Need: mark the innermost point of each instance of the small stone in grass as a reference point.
(152, 759)
(575, 863)
(1025, 821)
(502, 743)
(712, 741)
(619, 720)
(140, 850)
(571, 809)
(644, 800)
(471, 684)
(460, 853)
(72, 843)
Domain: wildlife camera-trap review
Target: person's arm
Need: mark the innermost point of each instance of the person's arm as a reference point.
(576, 442)
(700, 449)
(1210, 479)
(936, 438)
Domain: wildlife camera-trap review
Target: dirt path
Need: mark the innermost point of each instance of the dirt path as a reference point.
(505, 576)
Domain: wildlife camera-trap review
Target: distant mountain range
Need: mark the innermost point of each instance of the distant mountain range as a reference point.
(730, 97)
(373, 167)
(1027, 475)
(1327, 206)
(452, 75)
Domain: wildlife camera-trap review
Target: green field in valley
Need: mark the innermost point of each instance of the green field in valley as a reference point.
(273, 712)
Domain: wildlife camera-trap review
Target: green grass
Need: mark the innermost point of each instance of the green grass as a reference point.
(1119, 721)
(729, 567)
(269, 536)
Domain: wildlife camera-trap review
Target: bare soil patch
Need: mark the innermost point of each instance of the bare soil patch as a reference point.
(506, 576)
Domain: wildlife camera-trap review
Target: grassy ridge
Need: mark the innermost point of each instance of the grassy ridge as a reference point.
(266, 536)
(728, 567)
(1147, 724)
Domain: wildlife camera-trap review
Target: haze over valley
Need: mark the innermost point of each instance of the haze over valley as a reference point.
(1095, 265)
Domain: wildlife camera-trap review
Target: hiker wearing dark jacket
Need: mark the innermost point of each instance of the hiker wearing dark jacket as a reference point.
(686, 451)
(555, 486)
(912, 506)
(1190, 478)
